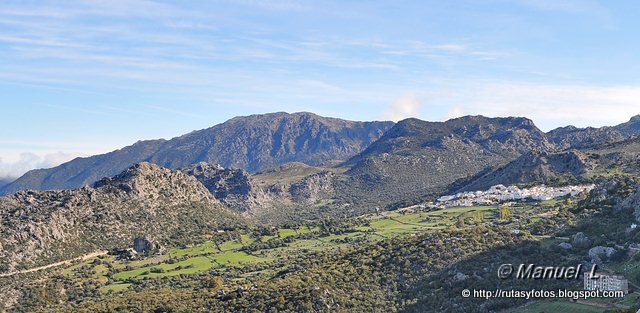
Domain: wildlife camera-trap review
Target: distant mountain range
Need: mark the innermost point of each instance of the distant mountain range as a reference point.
(302, 160)
(251, 143)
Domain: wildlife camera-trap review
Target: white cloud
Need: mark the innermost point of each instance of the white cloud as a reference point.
(550, 105)
(408, 105)
(28, 161)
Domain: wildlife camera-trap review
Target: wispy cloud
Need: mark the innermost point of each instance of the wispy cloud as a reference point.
(28, 161)
(551, 105)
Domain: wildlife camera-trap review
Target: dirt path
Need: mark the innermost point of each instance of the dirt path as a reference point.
(65, 262)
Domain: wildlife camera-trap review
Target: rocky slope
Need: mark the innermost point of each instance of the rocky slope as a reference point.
(571, 137)
(417, 159)
(602, 160)
(37, 228)
(233, 187)
(251, 143)
(540, 167)
(579, 138)
(271, 196)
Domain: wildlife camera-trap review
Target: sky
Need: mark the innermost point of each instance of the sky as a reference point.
(79, 78)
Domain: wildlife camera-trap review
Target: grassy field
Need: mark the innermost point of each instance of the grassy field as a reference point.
(208, 255)
(114, 287)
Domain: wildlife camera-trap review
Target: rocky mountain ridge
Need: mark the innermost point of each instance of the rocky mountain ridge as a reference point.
(252, 143)
(48, 226)
(571, 137)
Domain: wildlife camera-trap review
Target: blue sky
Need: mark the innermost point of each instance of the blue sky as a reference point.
(81, 78)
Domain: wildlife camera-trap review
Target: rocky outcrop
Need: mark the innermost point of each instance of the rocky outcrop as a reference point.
(44, 227)
(598, 252)
(313, 188)
(580, 240)
(146, 245)
(631, 203)
(278, 189)
(565, 245)
(232, 187)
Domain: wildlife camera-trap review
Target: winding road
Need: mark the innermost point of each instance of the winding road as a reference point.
(65, 262)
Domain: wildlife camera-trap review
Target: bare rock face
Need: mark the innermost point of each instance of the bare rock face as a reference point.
(148, 180)
(39, 228)
(313, 188)
(614, 192)
(232, 187)
(287, 186)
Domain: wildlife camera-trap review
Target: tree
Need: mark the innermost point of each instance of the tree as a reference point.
(504, 212)
(215, 282)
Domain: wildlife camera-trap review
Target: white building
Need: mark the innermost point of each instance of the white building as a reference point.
(607, 282)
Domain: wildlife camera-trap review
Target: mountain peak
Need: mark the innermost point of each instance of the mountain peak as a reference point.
(150, 180)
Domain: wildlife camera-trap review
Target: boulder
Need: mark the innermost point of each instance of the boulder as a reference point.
(145, 245)
(565, 245)
(597, 252)
(580, 240)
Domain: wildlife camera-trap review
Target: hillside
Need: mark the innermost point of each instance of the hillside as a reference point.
(541, 167)
(43, 227)
(571, 137)
(284, 194)
(417, 159)
(251, 143)
(605, 159)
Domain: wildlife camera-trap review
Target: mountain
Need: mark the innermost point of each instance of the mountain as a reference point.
(251, 143)
(630, 128)
(536, 167)
(417, 159)
(49, 226)
(603, 160)
(618, 157)
(571, 137)
(5, 181)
